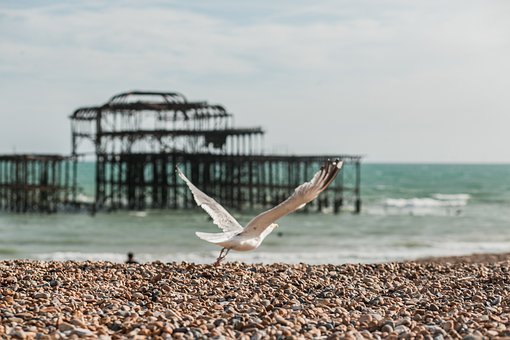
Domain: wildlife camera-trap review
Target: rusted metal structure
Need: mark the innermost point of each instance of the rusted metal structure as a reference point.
(139, 137)
(35, 183)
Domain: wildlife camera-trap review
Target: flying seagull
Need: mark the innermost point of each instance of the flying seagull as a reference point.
(234, 236)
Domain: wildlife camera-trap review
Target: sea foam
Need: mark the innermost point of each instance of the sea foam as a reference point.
(437, 200)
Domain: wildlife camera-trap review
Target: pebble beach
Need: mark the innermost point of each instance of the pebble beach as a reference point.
(457, 297)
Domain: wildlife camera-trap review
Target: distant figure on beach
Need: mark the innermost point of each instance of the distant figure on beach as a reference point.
(130, 258)
(236, 237)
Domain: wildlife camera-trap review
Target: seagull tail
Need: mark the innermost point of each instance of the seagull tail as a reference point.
(214, 237)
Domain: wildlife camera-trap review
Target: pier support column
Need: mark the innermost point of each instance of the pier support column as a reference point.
(357, 203)
(357, 208)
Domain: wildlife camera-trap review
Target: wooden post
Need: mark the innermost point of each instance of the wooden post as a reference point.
(357, 208)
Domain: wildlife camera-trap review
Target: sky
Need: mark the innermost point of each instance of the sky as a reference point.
(395, 81)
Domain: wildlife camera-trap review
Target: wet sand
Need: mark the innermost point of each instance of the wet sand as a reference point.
(458, 297)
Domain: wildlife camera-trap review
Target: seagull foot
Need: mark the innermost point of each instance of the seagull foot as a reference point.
(221, 257)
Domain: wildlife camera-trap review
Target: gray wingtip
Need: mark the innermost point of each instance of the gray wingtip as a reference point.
(179, 172)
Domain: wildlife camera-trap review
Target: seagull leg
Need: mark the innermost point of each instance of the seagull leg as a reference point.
(221, 257)
(217, 263)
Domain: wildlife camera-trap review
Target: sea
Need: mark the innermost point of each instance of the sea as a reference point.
(409, 211)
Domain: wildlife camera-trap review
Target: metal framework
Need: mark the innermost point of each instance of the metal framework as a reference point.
(156, 122)
(138, 137)
(34, 183)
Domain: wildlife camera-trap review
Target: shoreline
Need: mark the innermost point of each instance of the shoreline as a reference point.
(444, 297)
(472, 258)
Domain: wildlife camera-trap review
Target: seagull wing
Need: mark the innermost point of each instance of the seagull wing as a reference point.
(220, 216)
(301, 196)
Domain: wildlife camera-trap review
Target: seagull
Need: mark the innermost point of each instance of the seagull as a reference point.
(234, 236)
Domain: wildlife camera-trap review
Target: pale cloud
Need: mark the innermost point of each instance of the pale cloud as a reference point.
(378, 78)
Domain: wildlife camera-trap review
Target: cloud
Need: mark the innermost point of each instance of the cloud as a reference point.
(116, 38)
(168, 37)
(378, 70)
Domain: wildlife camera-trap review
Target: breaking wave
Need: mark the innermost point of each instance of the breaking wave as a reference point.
(452, 197)
(436, 201)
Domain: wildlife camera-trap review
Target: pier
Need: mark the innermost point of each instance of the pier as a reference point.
(35, 183)
(137, 138)
(141, 181)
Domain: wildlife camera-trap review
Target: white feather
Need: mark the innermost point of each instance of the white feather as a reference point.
(220, 215)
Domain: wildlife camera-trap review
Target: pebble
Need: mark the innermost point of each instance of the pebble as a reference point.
(81, 332)
(88, 297)
(64, 327)
(400, 329)
(434, 299)
(41, 295)
(387, 328)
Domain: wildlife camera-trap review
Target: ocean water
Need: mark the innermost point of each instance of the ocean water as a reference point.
(409, 211)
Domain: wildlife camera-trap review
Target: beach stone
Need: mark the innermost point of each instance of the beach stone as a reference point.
(16, 320)
(64, 327)
(400, 329)
(366, 318)
(25, 315)
(472, 337)
(448, 325)
(79, 323)
(496, 300)
(281, 320)
(88, 297)
(18, 334)
(453, 333)
(256, 301)
(41, 295)
(10, 280)
(116, 326)
(81, 332)
(138, 295)
(387, 328)
(181, 330)
(433, 307)
(219, 322)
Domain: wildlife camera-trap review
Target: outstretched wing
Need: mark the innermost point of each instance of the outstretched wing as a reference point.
(301, 196)
(220, 216)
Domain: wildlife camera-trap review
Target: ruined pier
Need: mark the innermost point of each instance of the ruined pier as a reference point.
(136, 139)
(139, 137)
(35, 182)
